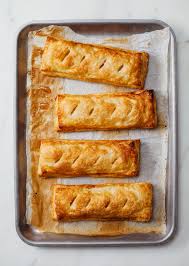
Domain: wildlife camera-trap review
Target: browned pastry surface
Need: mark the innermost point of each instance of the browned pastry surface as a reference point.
(100, 158)
(105, 111)
(131, 201)
(96, 63)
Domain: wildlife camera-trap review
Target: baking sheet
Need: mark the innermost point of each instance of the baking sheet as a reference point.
(42, 91)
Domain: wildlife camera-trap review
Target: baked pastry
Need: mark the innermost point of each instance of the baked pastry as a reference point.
(105, 111)
(129, 201)
(96, 63)
(100, 158)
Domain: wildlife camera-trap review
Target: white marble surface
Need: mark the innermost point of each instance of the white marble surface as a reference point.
(12, 15)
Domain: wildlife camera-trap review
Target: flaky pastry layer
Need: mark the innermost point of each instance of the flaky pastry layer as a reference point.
(105, 111)
(100, 158)
(130, 201)
(96, 63)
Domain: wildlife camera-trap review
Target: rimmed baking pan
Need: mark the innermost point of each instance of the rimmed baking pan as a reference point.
(92, 27)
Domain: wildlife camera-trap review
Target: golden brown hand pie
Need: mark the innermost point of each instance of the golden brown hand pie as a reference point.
(130, 201)
(105, 111)
(100, 158)
(96, 63)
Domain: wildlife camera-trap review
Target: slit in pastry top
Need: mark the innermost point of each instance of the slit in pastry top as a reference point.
(105, 111)
(129, 201)
(95, 63)
(100, 158)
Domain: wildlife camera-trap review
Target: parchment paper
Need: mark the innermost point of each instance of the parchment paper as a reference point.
(41, 94)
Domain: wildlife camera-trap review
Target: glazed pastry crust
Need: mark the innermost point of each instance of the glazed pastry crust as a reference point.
(95, 63)
(105, 111)
(129, 201)
(100, 158)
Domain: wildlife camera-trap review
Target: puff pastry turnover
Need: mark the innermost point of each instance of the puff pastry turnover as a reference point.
(130, 201)
(96, 63)
(100, 158)
(105, 111)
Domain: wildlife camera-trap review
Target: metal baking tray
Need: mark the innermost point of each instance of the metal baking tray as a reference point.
(87, 27)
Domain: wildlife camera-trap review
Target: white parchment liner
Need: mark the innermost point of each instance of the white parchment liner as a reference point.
(154, 142)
